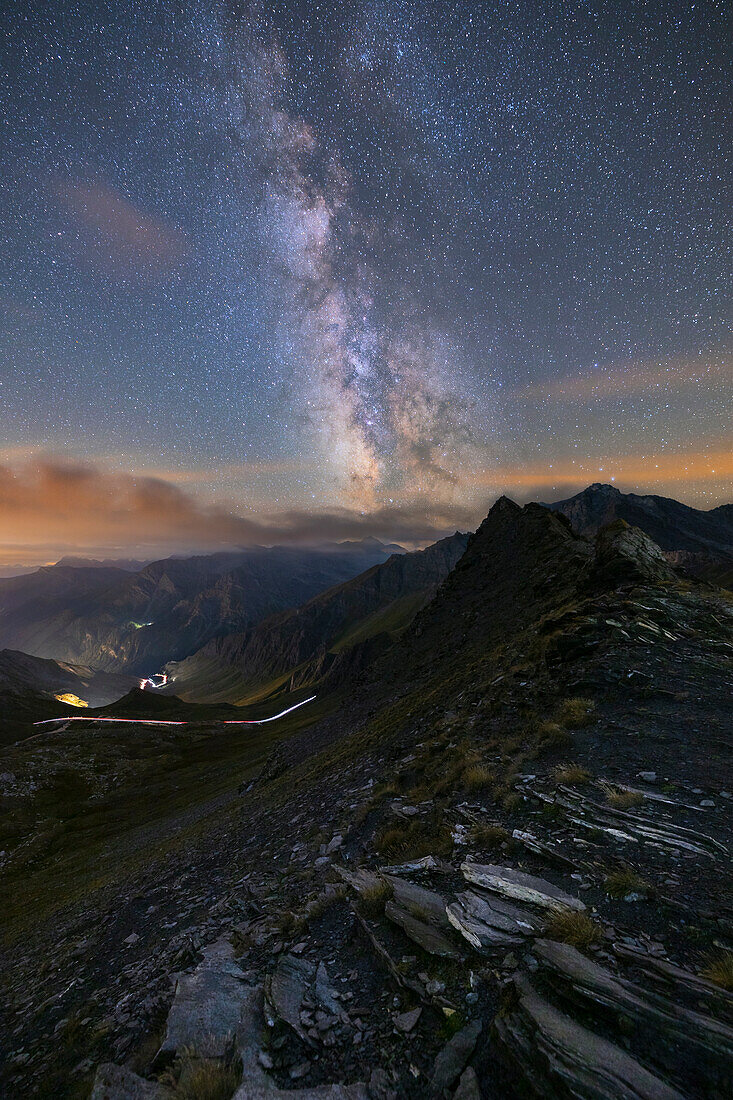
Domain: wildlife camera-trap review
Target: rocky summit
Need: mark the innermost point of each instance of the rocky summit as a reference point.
(488, 859)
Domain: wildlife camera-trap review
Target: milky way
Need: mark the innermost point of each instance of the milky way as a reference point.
(295, 258)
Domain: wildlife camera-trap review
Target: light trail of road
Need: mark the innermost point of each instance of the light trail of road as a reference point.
(169, 722)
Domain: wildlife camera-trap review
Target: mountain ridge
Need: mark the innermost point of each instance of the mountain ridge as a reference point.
(390, 591)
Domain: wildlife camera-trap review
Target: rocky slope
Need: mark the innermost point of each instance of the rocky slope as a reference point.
(134, 622)
(300, 647)
(495, 869)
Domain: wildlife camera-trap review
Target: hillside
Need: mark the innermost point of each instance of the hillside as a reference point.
(490, 866)
(304, 645)
(134, 622)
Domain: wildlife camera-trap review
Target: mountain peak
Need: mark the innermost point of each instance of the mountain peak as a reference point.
(603, 487)
(520, 560)
(672, 525)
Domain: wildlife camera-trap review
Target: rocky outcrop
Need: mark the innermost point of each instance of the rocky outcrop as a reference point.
(571, 1033)
(625, 555)
(217, 1017)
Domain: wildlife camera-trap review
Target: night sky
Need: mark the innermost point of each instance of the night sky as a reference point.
(285, 270)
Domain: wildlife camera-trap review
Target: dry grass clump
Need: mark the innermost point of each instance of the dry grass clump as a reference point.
(574, 713)
(384, 790)
(719, 969)
(626, 881)
(577, 929)
(414, 839)
(192, 1078)
(374, 898)
(553, 735)
(572, 775)
(511, 802)
(489, 836)
(477, 778)
(620, 799)
(319, 905)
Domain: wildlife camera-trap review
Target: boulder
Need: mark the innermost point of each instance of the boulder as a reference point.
(208, 1005)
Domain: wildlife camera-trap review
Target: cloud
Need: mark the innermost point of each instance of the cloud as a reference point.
(687, 474)
(51, 507)
(117, 235)
(633, 379)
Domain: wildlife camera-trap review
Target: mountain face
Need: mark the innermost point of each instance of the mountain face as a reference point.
(301, 646)
(673, 526)
(20, 673)
(518, 562)
(111, 618)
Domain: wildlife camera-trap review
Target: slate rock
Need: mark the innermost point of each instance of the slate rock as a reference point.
(468, 1086)
(117, 1083)
(520, 886)
(406, 1021)
(208, 1006)
(452, 1059)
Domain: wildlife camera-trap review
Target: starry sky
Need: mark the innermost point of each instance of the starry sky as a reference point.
(292, 270)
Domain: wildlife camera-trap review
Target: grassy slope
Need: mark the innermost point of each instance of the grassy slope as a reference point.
(234, 687)
(109, 802)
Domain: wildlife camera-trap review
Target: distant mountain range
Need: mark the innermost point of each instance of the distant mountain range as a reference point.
(114, 619)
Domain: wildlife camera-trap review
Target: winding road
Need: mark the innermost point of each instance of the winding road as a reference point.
(169, 722)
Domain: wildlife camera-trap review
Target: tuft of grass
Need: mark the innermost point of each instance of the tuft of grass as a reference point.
(622, 800)
(553, 735)
(719, 969)
(626, 881)
(384, 790)
(374, 898)
(285, 923)
(192, 1078)
(489, 836)
(572, 775)
(577, 929)
(574, 713)
(477, 778)
(414, 839)
(321, 904)
(511, 802)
